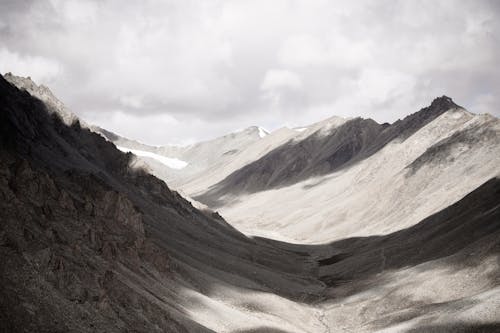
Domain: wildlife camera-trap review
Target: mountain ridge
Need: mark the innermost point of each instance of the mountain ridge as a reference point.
(91, 243)
(318, 154)
(94, 189)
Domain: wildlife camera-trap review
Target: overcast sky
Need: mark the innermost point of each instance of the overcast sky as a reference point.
(181, 71)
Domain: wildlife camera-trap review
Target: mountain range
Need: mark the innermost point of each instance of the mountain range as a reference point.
(345, 225)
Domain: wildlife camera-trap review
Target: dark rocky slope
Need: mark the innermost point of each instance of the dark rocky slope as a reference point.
(84, 239)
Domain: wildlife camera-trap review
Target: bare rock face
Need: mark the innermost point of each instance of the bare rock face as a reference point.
(119, 209)
(69, 246)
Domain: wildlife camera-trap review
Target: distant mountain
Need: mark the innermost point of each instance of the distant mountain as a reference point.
(321, 153)
(345, 171)
(194, 159)
(406, 229)
(393, 180)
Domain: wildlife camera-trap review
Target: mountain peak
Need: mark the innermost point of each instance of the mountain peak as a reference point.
(44, 94)
(252, 131)
(438, 106)
(443, 103)
(21, 82)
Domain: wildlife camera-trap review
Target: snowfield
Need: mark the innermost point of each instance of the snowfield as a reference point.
(173, 163)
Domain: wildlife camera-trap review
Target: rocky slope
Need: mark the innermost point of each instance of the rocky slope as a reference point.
(90, 244)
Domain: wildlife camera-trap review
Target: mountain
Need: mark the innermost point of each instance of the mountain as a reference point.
(194, 160)
(319, 154)
(408, 240)
(89, 243)
(399, 185)
(207, 162)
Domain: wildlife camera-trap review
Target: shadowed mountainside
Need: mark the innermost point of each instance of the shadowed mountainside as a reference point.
(88, 237)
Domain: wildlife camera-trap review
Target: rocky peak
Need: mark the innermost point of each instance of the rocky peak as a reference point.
(443, 103)
(411, 123)
(44, 94)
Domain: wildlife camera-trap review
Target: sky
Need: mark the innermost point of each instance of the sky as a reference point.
(176, 72)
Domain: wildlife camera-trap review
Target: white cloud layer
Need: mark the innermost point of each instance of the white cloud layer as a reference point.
(179, 71)
(279, 79)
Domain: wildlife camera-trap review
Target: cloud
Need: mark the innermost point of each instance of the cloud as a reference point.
(39, 68)
(378, 86)
(281, 90)
(337, 51)
(280, 79)
(221, 65)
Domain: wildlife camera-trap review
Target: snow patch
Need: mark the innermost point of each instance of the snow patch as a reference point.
(300, 129)
(262, 132)
(172, 163)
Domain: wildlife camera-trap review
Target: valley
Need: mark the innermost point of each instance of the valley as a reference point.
(345, 225)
